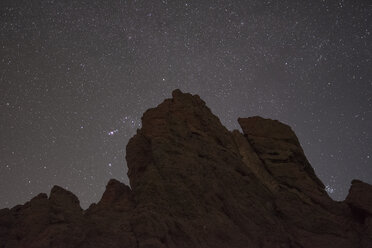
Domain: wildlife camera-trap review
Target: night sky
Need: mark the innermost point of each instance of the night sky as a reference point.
(76, 76)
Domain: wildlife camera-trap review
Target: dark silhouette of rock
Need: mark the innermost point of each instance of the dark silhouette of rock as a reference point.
(196, 184)
(360, 197)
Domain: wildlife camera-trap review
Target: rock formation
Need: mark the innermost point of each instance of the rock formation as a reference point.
(196, 184)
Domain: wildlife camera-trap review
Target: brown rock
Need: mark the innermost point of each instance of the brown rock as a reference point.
(43, 222)
(196, 184)
(360, 201)
(278, 148)
(64, 199)
(117, 195)
(360, 196)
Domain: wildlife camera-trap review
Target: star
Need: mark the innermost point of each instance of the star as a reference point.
(113, 132)
(85, 69)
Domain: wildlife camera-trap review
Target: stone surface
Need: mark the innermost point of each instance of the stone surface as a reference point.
(360, 197)
(196, 184)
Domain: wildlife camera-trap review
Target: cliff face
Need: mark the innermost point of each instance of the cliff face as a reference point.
(196, 184)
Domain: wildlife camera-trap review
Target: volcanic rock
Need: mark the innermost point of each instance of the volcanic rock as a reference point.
(196, 184)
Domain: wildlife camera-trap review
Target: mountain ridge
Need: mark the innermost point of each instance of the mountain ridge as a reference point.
(196, 184)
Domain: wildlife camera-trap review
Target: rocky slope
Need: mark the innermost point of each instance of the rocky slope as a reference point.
(196, 184)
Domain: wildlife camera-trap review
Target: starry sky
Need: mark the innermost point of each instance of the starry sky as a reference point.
(76, 76)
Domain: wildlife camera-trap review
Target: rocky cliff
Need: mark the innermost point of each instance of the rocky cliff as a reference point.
(196, 184)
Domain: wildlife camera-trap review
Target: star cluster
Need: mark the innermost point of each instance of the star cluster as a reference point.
(76, 76)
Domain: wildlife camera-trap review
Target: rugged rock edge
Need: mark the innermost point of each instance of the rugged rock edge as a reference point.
(196, 184)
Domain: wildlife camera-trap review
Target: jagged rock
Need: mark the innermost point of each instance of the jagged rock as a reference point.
(360, 197)
(64, 199)
(117, 196)
(196, 184)
(109, 224)
(45, 222)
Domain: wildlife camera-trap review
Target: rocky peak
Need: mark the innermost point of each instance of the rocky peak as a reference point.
(117, 196)
(64, 198)
(267, 128)
(196, 184)
(114, 192)
(360, 197)
(282, 155)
